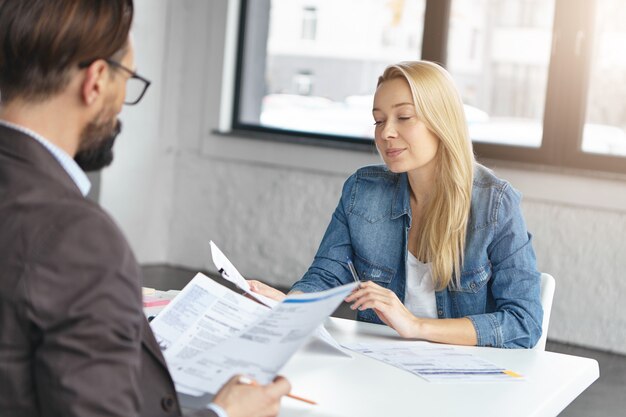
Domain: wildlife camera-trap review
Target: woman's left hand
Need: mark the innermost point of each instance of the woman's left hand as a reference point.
(264, 289)
(387, 306)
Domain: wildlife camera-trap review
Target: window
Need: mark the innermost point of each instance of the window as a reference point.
(498, 55)
(605, 127)
(543, 81)
(309, 23)
(303, 83)
(317, 75)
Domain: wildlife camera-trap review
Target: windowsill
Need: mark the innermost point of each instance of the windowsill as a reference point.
(541, 183)
(557, 170)
(573, 187)
(359, 145)
(291, 152)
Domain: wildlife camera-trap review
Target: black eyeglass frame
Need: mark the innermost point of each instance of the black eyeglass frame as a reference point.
(133, 75)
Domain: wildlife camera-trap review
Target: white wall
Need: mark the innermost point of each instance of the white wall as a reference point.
(175, 185)
(137, 188)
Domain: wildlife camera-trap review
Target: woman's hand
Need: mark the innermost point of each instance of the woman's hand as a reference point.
(387, 306)
(264, 289)
(395, 315)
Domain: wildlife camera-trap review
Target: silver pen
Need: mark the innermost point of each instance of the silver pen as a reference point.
(353, 271)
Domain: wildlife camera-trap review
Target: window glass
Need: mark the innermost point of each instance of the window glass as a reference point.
(498, 54)
(605, 127)
(322, 61)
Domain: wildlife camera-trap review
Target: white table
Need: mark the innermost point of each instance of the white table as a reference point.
(364, 387)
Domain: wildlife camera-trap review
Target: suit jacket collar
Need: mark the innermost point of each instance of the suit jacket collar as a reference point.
(23, 149)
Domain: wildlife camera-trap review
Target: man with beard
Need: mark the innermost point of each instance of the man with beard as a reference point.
(73, 337)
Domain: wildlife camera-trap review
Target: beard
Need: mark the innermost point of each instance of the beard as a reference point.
(96, 149)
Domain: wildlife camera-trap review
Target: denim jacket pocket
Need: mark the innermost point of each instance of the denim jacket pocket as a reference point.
(369, 200)
(474, 280)
(371, 215)
(369, 271)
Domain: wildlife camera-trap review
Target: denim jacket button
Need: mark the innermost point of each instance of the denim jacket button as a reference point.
(473, 285)
(376, 273)
(440, 312)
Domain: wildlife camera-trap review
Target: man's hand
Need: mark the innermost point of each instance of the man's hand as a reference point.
(264, 289)
(243, 400)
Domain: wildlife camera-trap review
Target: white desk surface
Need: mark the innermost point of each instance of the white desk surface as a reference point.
(364, 387)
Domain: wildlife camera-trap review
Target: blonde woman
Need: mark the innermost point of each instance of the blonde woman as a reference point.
(437, 239)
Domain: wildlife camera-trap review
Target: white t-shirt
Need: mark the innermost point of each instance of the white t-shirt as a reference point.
(419, 295)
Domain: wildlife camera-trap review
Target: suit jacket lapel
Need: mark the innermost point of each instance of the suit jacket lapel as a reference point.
(150, 344)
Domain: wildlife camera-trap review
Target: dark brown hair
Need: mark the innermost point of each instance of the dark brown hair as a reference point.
(41, 41)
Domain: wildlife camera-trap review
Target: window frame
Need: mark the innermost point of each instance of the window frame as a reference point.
(565, 104)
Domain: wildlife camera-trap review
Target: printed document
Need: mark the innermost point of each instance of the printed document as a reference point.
(230, 273)
(260, 350)
(202, 315)
(436, 363)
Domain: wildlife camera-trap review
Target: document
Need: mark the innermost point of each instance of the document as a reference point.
(204, 314)
(230, 273)
(436, 363)
(260, 350)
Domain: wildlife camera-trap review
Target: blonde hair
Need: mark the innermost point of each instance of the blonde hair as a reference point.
(441, 239)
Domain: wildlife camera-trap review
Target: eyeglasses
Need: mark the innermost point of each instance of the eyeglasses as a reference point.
(136, 85)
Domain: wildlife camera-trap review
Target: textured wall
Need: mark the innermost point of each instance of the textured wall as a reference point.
(137, 188)
(585, 250)
(268, 221)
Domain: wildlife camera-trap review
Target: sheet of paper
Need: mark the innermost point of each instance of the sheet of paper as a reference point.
(204, 314)
(436, 363)
(263, 348)
(230, 273)
(327, 339)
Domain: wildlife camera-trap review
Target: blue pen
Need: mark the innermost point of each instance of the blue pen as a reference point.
(353, 271)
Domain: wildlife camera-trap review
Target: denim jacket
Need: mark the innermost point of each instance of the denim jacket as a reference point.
(500, 283)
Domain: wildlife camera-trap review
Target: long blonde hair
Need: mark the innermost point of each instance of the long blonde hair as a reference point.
(441, 239)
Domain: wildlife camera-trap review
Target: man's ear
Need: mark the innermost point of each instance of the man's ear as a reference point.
(95, 79)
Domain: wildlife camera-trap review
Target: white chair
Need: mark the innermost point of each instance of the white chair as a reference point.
(547, 294)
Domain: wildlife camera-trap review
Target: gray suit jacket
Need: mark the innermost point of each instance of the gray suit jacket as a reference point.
(73, 337)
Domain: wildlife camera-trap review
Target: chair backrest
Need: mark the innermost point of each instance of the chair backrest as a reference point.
(547, 294)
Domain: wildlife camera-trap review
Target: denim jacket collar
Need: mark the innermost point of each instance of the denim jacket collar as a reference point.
(402, 198)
